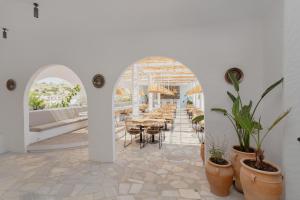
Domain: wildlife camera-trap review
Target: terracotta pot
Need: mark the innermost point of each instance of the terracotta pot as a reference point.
(236, 157)
(220, 177)
(202, 151)
(261, 185)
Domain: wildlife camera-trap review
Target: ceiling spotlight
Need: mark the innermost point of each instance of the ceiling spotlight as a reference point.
(36, 10)
(4, 33)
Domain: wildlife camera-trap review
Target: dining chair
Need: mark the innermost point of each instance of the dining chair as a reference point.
(155, 128)
(132, 129)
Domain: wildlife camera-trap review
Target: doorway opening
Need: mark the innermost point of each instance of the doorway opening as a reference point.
(55, 110)
(154, 103)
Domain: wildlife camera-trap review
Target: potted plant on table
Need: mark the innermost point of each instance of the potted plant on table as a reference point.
(243, 149)
(218, 171)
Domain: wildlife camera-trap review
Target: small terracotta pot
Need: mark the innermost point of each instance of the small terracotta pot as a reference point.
(202, 151)
(220, 177)
(261, 185)
(236, 157)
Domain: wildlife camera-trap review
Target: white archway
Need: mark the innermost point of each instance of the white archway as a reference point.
(197, 82)
(54, 72)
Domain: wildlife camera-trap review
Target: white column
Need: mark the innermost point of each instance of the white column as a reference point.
(197, 100)
(158, 100)
(135, 91)
(202, 101)
(194, 96)
(150, 95)
(150, 101)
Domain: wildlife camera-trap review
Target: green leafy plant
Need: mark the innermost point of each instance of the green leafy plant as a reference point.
(189, 102)
(195, 123)
(72, 93)
(258, 136)
(67, 100)
(217, 154)
(198, 119)
(35, 102)
(242, 116)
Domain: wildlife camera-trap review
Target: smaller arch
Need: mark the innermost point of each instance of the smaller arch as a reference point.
(63, 114)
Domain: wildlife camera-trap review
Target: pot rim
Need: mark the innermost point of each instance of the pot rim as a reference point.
(261, 171)
(242, 152)
(222, 166)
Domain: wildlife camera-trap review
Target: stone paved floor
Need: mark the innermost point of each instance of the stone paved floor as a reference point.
(67, 138)
(174, 172)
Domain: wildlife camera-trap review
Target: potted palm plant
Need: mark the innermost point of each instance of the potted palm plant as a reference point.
(243, 149)
(260, 179)
(218, 171)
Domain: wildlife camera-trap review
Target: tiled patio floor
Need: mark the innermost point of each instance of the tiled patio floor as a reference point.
(74, 137)
(173, 172)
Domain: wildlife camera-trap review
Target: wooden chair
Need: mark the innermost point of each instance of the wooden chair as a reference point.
(154, 128)
(132, 129)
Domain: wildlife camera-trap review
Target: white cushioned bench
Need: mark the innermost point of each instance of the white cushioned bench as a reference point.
(44, 124)
(51, 125)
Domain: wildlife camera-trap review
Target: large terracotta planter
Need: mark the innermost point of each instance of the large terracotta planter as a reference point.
(261, 185)
(236, 157)
(220, 177)
(202, 151)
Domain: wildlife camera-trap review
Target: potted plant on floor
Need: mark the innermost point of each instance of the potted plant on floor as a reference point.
(197, 121)
(218, 171)
(243, 149)
(261, 180)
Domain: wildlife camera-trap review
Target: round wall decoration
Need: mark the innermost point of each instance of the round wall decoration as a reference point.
(237, 72)
(11, 84)
(98, 81)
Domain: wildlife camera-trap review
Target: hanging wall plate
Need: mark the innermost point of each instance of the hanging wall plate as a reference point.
(11, 84)
(98, 81)
(235, 71)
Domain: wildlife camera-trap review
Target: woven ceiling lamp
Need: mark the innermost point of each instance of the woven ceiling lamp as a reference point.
(120, 92)
(197, 89)
(170, 92)
(142, 93)
(174, 90)
(153, 88)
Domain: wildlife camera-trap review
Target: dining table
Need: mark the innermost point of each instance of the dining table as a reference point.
(141, 123)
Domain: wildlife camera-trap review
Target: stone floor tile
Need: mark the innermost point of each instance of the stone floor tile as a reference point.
(126, 197)
(135, 188)
(189, 194)
(124, 188)
(169, 193)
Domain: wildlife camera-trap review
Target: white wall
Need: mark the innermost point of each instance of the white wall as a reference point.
(272, 105)
(2, 144)
(59, 71)
(207, 36)
(291, 150)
